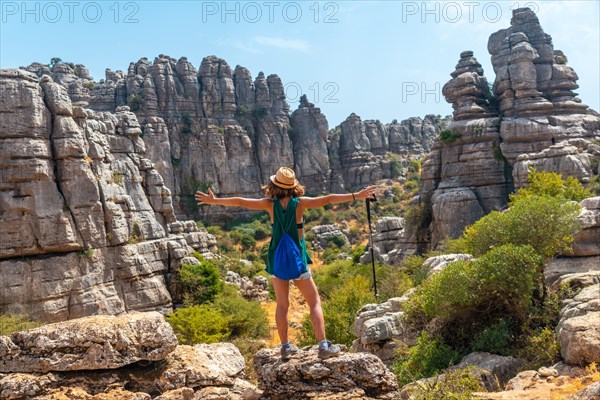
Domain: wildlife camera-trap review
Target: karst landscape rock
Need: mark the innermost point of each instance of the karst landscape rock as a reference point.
(96, 208)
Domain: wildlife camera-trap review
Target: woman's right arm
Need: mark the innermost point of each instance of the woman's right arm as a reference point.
(316, 202)
(252, 204)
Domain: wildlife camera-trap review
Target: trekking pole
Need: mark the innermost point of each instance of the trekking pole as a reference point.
(368, 202)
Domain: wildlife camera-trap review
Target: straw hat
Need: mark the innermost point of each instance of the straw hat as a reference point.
(285, 178)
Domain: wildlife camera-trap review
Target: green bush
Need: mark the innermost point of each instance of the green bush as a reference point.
(199, 324)
(337, 240)
(339, 310)
(499, 285)
(457, 384)
(413, 266)
(547, 224)
(200, 283)
(245, 318)
(11, 323)
(551, 184)
(448, 137)
(427, 358)
(540, 348)
(496, 339)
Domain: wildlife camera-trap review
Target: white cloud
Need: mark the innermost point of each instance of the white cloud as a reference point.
(287, 44)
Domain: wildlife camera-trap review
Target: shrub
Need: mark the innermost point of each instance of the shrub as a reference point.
(135, 102)
(540, 348)
(448, 137)
(200, 283)
(413, 266)
(496, 339)
(337, 240)
(246, 319)
(551, 184)
(427, 358)
(199, 324)
(339, 311)
(499, 285)
(457, 384)
(547, 224)
(11, 323)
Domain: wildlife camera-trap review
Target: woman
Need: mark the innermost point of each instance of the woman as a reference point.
(284, 202)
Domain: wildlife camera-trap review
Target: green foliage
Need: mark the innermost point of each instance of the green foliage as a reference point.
(11, 323)
(200, 283)
(313, 214)
(547, 224)
(199, 324)
(187, 124)
(246, 240)
(449, 137)
(243, 110)
(337, 240)
(457, 384)
(54, 61)
(358, 251)
(499, 285)
(228, 263)
(339, 311)
(427, 358)
(413, 266)
(246, 319)
(540, 348)
(495, 339)
(260, 112)
(551, 184)
(135, 102)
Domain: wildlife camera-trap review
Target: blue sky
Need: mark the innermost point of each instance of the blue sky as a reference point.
(379, 59)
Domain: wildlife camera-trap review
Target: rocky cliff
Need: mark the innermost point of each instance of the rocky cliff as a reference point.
(87, 224)
(218, 126)
(529, 117)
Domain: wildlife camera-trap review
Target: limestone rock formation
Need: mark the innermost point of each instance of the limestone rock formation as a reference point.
(305, 376)
(491, 370)
(386, 234)
(134, 356)
(97, 342)
(579, 328)
(309, 129)
(588, 393)
(220, 127)
(254, 290)
(325, 233)
(531, 118)
(380, 329)
(359, 149)
(438, 263)
(77, 188)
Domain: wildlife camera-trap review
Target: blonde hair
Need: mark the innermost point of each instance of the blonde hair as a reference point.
(272, 190)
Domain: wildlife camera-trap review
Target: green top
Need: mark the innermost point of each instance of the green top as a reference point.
(281, 219)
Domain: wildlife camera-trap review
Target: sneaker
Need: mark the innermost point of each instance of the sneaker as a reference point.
(332, 350)
(288, 351)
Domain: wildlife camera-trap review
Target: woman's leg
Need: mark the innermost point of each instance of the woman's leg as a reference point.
(311, 294)
(282, 292)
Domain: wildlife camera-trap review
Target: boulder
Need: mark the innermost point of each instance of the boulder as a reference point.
(494, 370)
(578, 330)
(438, 263)
(591, 392)
(305, 375)
(90, 343)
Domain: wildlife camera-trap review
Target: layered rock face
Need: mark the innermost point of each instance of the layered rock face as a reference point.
(531, 118)
(217, 126)
(349, 376)
(133, 356)
(87, 223)
(359, 150)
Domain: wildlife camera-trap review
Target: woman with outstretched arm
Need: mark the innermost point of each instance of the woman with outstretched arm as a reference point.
(285, 203)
